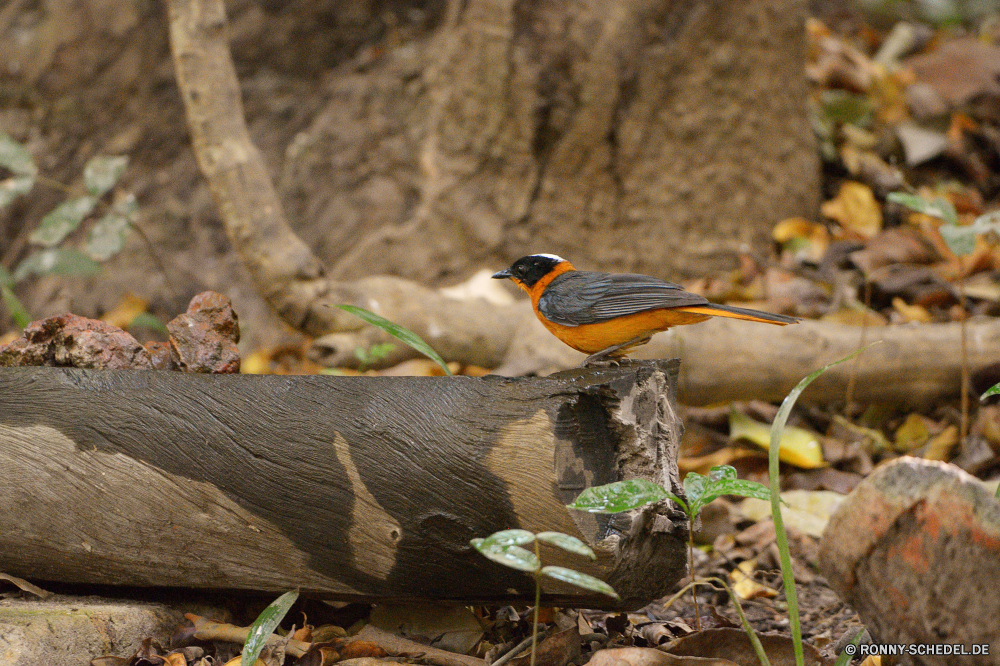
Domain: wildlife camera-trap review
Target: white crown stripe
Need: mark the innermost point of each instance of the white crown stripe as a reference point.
(554, 257)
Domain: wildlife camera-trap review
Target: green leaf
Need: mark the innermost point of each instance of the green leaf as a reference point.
(15, 157)
(508, 538)
(264, 626)
(14, 306)
(721, 480)
(101, 173)
(993, 390)
(580, 580)
(401, 333)
(514, 557)
(56, 261)
(107, 236)
(619, 496)
(960, 239)
(566, 542)
(939, 208)
(12, 188)
(840, 106)
(150, 321)
(62, 221)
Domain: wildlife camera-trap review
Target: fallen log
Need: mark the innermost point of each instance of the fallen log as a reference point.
(353, 488)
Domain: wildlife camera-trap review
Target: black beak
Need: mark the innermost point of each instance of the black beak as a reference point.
(500, 275)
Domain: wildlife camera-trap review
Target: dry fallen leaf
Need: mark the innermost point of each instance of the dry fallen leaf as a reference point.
(803, 237)
(911, 313)
(649, 657)
(856, 209)
(912, 434)
(125, 310)
(808, 511)
(733, 646)
(797, 446)
(745, 587)
(941, 445)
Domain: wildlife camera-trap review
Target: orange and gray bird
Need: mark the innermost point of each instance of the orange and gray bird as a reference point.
(607, 314)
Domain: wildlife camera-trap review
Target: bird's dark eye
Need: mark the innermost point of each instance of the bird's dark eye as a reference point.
(521, 270)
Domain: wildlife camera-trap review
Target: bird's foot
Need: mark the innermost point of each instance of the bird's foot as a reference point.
(609, 357)
(600, 360)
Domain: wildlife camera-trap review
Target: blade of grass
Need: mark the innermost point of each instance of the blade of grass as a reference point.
(401, 333)
(774, 481)
(264, 626)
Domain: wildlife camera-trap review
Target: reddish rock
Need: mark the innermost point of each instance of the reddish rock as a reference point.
(72, 341)
(915, 549)
(160, 354)
(204, 338)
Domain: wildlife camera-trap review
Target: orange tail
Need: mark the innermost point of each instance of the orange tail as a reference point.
(716, 310)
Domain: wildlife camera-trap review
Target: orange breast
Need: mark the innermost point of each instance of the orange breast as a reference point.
(592, 338)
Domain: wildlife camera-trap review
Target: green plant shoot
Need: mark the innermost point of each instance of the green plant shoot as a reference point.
(961, 239)
(264, 626)
(107, 236)
(401, 333)
(507, 548)
(779, 524)
(698, 489)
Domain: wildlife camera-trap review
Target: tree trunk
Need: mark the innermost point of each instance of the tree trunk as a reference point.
(354, 488)
(660, 137)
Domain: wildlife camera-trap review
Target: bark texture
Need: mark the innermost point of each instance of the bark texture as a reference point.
(658, 137)
(356, 488)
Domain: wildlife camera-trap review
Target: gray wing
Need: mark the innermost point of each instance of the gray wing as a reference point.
(585, 297)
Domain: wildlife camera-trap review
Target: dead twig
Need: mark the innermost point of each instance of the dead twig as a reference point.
(402, 647)
(25, 586)
(210, 630)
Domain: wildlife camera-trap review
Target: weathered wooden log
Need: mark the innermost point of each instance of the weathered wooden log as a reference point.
(348, 487)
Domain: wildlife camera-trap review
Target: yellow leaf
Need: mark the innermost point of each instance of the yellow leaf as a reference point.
(855, 208)
(913, 434)
(860, 316)
(911, 313)
(126, 310)
(746, 587)
(797, 446)
(802, 236)
(941, 446)
(808, 511)
(256, 363)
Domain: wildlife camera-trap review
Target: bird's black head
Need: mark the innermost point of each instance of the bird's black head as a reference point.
(526, 271)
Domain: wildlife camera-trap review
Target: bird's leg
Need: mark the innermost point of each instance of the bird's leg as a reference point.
(601, 357)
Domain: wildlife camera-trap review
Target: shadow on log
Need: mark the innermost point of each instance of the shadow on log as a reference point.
(347, 487)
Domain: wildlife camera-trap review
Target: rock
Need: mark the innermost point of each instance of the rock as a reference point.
(69, 340)
(915, 549)
(70, 631)
(204, 338)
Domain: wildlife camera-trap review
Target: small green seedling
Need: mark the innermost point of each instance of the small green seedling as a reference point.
(401, 333)
(264, 626)
(781, 537)
(506, 548)
(105, 239)
(961, 239)
(373, 354)
(698, 489)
